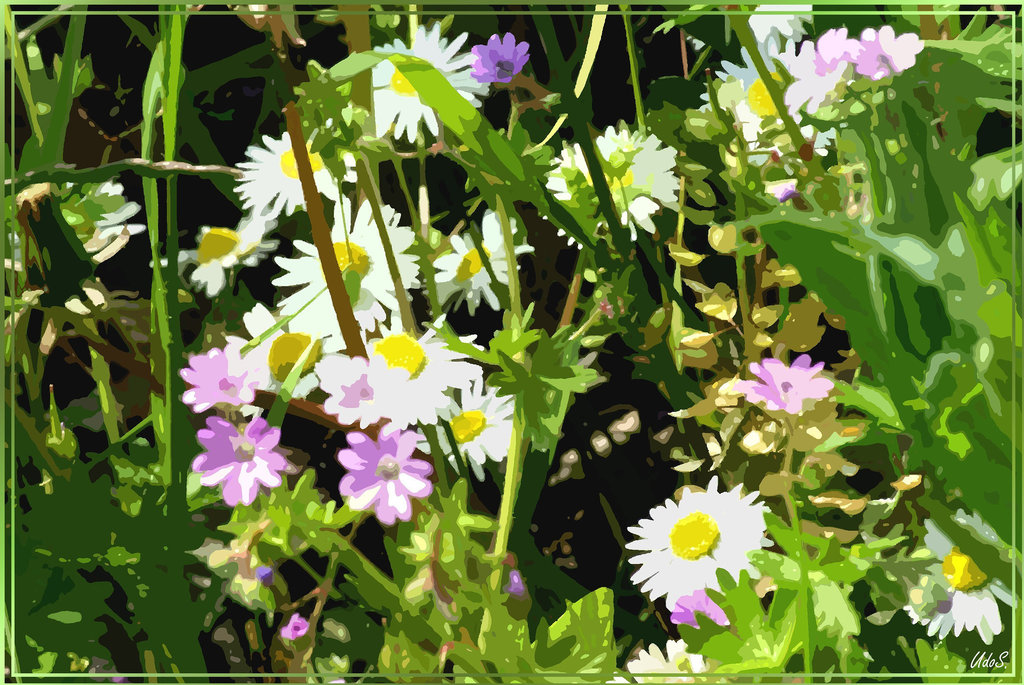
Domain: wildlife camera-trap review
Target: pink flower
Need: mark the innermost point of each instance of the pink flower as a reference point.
(382, 475)
(833, 50)
(295, 628)
(222, 376)
(688, 606)
(817, 69)
(885, 54)
(239, 462)
(785, 190)
(783, 387)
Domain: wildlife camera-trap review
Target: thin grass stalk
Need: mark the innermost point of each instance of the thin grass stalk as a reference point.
(372, 192)
(53, 146)
(21, 74)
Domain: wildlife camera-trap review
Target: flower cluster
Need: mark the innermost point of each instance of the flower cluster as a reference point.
(819, 67)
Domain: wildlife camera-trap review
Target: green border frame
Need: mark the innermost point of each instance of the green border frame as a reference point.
(469, 7)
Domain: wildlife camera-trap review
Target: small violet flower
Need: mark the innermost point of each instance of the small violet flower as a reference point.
(265, 574)
(382, 475)
(295, 628)
(884, 54)
(783, 387)
(697, 603)
(222, 376)
(500, 59)
(239, 461)
(515, 586)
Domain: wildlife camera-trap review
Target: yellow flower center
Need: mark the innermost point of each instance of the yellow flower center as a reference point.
(694, 536)
(471, 264)
(616, 184)
(352, 256)
(291, 170)
(216, 244)
(402, 351)
(468, 425)
(760, 100)
(285, 352)
(401, 85)
(961, 571)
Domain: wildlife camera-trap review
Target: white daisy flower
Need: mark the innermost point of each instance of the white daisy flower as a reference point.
(461, 272)
(395, 100)
(481, 422)
(771, 28)
(361, 391)
(270, 178)
(957, 595)
(639, 169)
(684, 543)
(222, 249)
(745, 95)
(99, 214)
(358, 247)
(284, 347)
(432, 370)
(674, 664)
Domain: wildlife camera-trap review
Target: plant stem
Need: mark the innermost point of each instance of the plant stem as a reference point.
(743, 295)
(101, 374)
(741, 27)
(515, 299)
(574, 291)
(322, 238)
(21, 73)
(634, 70)
(366, 179)
(37, 26)
(414, 22)
(810, 624)
(440, 462)
(142, 167)
(476, 237)
(513, 474)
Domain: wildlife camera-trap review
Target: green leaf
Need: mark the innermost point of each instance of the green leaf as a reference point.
(996, 176)
(65, 616)
(937, 659)
(874, 400)
(582, 637)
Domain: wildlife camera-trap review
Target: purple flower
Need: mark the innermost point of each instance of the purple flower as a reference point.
(265, 574)
(515, 587)
(885, 54)
(500, 59)
(785, 387)
(688, 606)
(785, 190)
(295, 628)
(239, 462)
(382, 475)
(222, 376)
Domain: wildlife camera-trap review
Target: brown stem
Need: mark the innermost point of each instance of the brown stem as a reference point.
(570, 302)
(322, 238)
(682, 50)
